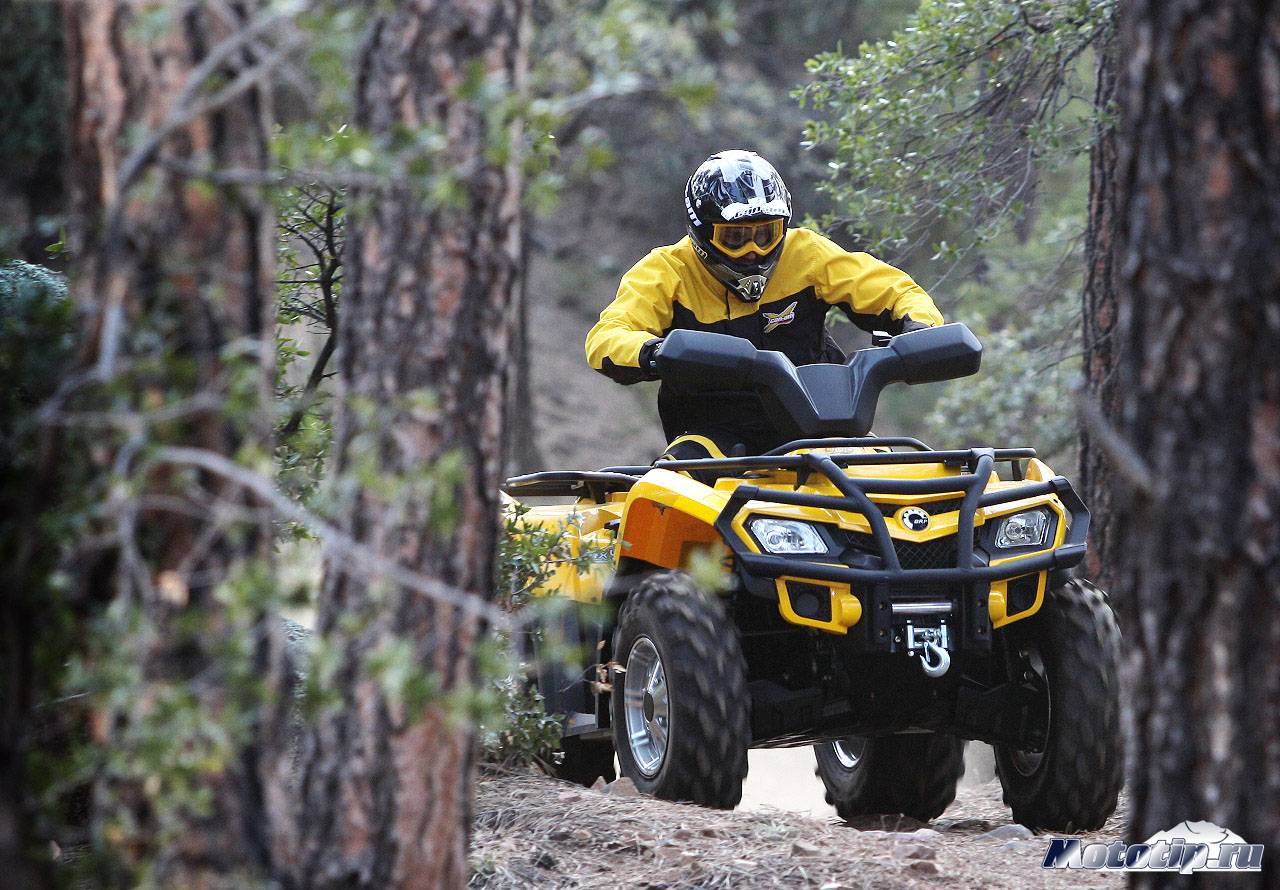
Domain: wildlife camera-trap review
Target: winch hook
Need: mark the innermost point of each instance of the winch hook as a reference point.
(943, 664)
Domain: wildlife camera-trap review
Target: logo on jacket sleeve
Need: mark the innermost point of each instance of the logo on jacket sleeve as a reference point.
(778, 319)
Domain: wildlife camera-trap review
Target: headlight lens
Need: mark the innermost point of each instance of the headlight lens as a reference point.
(787, 535)
(1027, 529)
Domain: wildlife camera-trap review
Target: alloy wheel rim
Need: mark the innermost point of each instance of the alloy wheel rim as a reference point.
(647, 706)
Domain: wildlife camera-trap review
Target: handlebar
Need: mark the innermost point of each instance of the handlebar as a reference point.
(819, 399)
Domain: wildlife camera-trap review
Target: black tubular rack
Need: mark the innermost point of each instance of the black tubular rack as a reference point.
(977, 465)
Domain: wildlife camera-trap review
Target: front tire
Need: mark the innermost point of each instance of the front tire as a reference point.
(1074, 783)
(681, 709)
(915, 775)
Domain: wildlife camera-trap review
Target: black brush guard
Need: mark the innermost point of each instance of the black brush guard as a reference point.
(978, 699)
(878, 586)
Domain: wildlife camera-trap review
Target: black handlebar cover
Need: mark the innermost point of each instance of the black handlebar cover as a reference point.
(820, 399)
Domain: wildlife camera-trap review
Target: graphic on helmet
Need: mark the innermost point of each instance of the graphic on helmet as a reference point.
(738, 208)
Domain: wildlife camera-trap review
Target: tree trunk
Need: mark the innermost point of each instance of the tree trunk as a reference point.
(1099, 318)
(422, 384)
(174, 283)
(1196, 539)
(32, 129)
(523, 454)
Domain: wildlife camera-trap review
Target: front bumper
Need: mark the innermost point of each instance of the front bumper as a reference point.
(873, 599)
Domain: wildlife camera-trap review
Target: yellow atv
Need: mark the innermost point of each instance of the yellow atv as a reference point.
(882, 602)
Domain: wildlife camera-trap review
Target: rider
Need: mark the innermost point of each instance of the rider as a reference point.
(741, 271)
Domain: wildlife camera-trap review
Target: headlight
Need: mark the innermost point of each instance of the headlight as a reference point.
(1027, 529)
(787, 535)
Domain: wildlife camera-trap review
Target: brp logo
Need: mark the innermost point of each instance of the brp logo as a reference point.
(914, 518)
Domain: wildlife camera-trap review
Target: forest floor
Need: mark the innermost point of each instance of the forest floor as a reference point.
(532, 831)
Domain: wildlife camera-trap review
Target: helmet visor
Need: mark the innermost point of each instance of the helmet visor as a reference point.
(739, 239)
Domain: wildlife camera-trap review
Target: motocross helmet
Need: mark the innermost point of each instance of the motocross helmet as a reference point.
(738, 209)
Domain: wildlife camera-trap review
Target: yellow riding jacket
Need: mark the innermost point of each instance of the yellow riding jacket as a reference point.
(671, 288)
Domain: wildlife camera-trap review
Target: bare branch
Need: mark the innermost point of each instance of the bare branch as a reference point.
(352, 554)
(186, 109)
(1125, 459)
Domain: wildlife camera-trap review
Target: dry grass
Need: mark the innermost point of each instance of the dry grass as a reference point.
(531, 831)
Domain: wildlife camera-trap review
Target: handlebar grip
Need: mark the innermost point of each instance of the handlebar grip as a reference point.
(702, 359)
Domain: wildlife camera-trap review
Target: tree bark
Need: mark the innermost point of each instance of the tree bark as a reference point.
(1196, 541)
(422, 383)
(32, 129)
(174, 284)
(1098, 320)
(523, 454)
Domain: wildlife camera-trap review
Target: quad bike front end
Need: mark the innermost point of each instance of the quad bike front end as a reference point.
(923, 562)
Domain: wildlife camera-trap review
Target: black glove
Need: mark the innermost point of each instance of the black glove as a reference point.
(649, 358)
(909, 324)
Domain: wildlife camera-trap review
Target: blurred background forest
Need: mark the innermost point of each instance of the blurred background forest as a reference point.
(950, 139)
(284, 276)
(987, 213)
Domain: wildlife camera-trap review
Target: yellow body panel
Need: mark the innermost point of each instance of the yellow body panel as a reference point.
(667, 516)
(846, 609)
(584, 522)
(997, 602)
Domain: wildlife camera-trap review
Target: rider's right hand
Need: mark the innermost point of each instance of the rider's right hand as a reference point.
(649, 358)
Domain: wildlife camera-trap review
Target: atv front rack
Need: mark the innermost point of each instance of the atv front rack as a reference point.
(854, 498)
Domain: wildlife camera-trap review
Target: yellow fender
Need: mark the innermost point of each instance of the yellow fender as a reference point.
(668, 517)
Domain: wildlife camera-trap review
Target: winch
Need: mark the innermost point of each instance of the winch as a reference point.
(931, 644)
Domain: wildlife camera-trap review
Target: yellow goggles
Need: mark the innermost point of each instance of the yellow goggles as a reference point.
(739, 239)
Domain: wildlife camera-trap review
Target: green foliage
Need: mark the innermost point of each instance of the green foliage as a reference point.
(529, 554)
(33, 98)
(33, 83)
(1023, 302)
(524, 733)
(40, 504)
(169, 748)
(1031, 365)
(625, 54)
(951, 119)
(309, 254)
(515, 728)
(708, 570)
(621, 47)
(35, 335)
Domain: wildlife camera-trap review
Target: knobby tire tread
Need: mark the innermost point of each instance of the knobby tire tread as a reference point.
(706, 759)
(1078, 784)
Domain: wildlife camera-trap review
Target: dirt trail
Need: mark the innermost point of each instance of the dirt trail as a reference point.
(531, 831)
